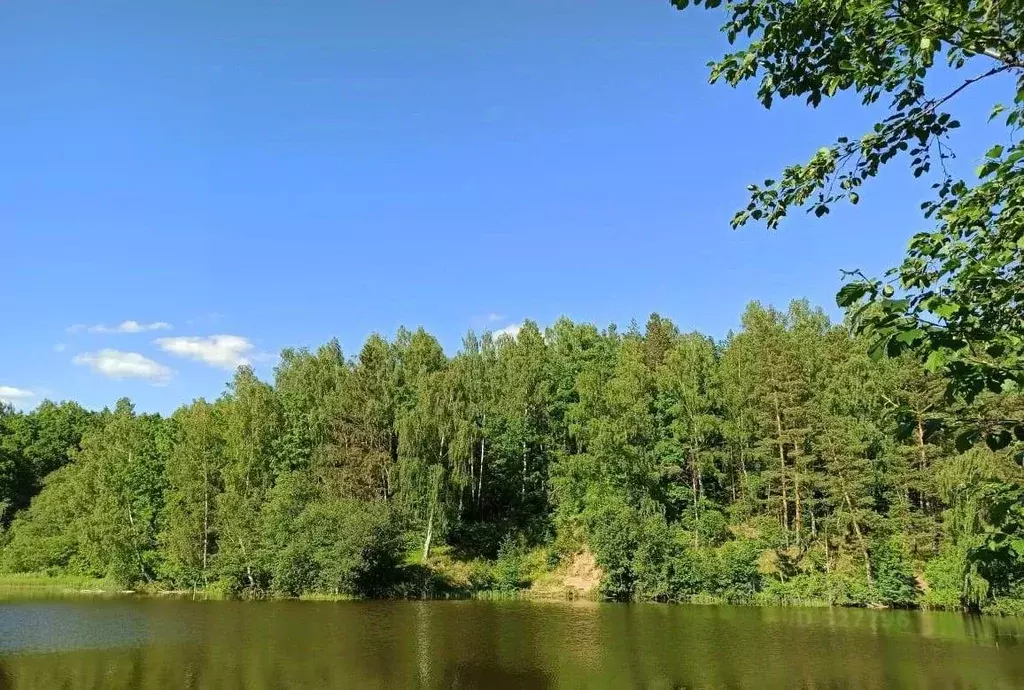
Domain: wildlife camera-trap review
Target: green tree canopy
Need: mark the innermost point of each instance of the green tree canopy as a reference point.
(957, 298)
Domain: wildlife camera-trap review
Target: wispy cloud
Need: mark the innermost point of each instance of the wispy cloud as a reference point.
(511, 330)
(493, 316)
(12, 395)
(60, 347)
(125, 365)
(225, 351)
(123, 327)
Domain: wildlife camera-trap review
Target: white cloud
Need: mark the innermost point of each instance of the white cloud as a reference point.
(60, 347)
(512, 330)
(136, 327)
(226, 351)
(492, 317)
(125, 365)
(123, 327)
(10, 394)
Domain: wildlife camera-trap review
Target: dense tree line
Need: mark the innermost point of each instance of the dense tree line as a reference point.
(781, 464)
(956, 301)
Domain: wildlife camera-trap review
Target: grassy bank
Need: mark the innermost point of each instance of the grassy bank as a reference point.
(41, 584)
(534, 578)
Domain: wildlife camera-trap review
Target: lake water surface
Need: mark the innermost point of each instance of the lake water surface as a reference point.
(151, 643)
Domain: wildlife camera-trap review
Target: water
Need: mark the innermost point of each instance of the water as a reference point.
(152, 643)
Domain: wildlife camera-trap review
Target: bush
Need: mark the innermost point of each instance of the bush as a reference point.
(613, 530)
(510, 570)
(46, 536)
(739, 579)
(342, 547)
(1004, 606)
(894, 583)
(713, 528)
(481, 576)
(945, 577)
(800, 588)
(652, 564)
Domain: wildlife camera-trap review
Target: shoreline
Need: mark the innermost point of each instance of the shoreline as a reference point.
(15, 587)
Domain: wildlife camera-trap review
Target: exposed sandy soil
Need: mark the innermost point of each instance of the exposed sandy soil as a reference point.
(577, 576)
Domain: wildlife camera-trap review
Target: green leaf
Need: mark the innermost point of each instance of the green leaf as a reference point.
(935, 361)
(998, 440)
(906, 429)
(910, 337)
(986, 169)
(877, 350)
(966, 440)
(849, 294)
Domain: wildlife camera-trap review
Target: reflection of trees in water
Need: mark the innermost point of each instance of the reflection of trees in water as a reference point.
(580, 633)
(476, 644)
(493, 677)
(260, 646)
(423, 639)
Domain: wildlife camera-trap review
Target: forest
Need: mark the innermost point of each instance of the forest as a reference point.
(788, 463)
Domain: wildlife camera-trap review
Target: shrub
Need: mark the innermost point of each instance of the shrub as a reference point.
(713, 528)
(339, 547)
(894, 583)
(510, 570)
(480, 576)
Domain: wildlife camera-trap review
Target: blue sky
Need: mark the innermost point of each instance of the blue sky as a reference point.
(280, 173)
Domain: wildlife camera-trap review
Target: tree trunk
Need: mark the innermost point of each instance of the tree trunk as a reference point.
(828, 552)
(696, 503)
(248, 566)
(782, 469)
(860, 539)
(523, 489)
(430, 533)
(135, 546)
(206, 514)
(923, 460)
(135, 541)
(480, 479)
(798, 522)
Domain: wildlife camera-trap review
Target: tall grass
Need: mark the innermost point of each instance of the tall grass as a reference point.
(18, 585)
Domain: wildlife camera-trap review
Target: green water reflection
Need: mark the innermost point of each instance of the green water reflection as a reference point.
(144, 643)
